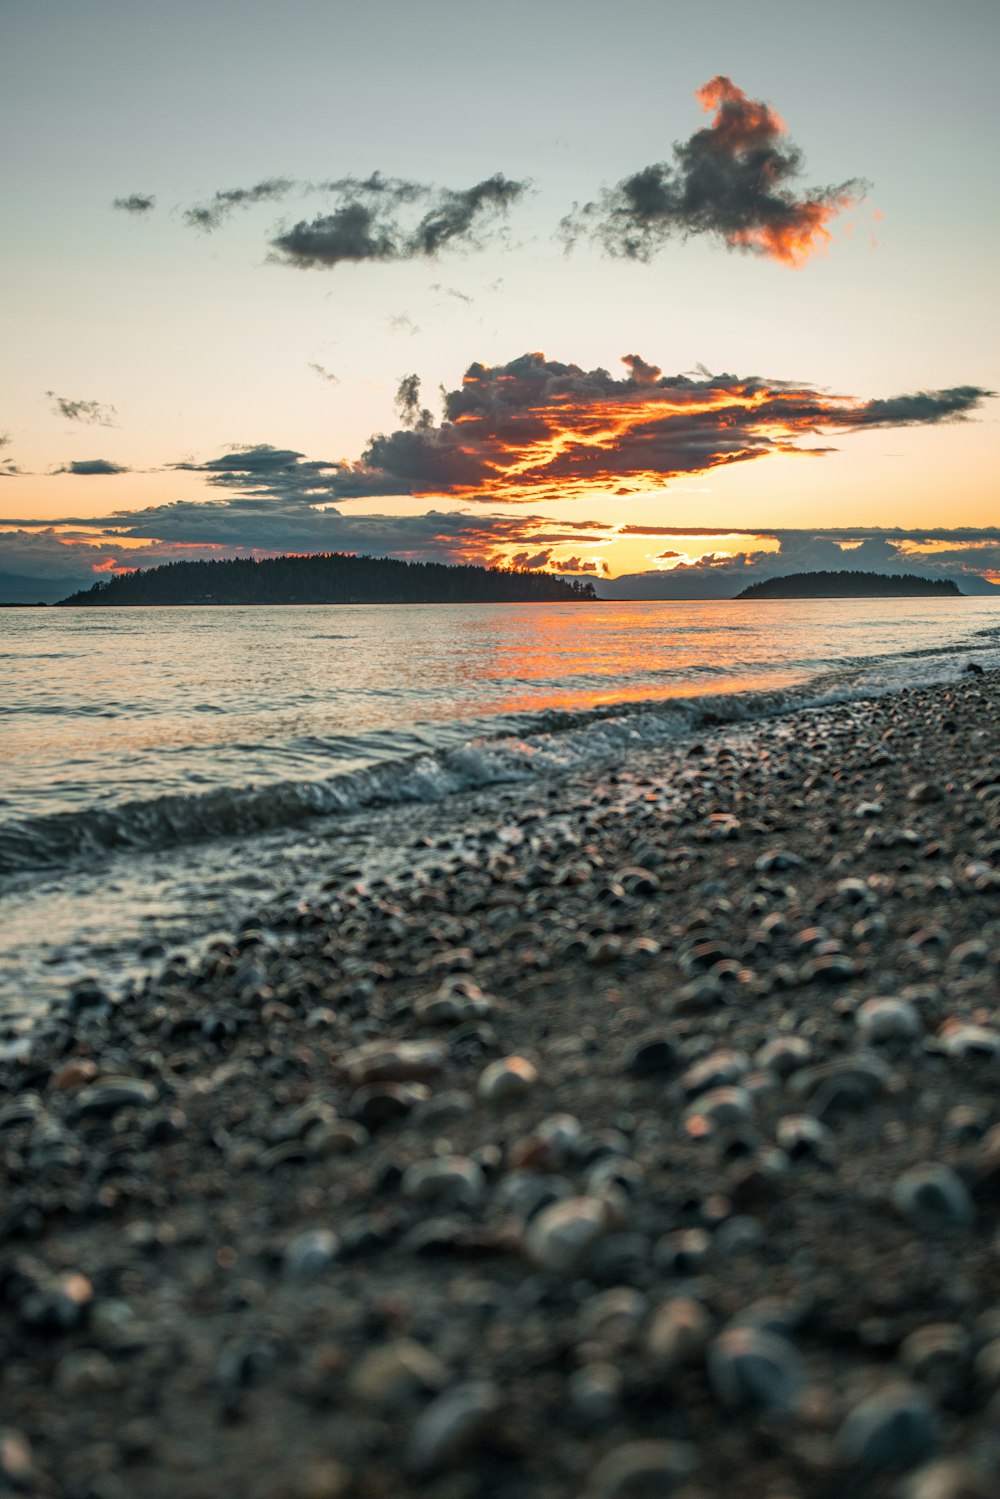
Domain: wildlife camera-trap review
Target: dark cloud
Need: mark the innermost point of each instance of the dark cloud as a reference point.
(366, 224)
(90, 466)
(923, 406)
(415, 418)
(90, 413)
(137, 203)
(325, 374)
(535, 428)
(733, 180)
(356, 231)
(456, 215)
(221, 205)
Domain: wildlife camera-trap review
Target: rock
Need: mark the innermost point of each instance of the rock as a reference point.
(718, 1070)
(379, 1104)
(719, 1108)
(924, 793)
(444, 1180)
(784, 1055)
(452, 1007)
(561, 1236)
(751, 1367)
(507, 1080)
(105, 1098)
(951, 1479)
(403, 1062)
(397, 1375)
(309, 1254)
(595, 1393)
(976, 1042)
(894, 1428)
(651, 1056)
(933, 1196)
(803, 1135)
(777, 860)
(525, 1193)
(642, 1470)
(58, 1308)
(678, 1334)
(889, 1020)
(451, 1427)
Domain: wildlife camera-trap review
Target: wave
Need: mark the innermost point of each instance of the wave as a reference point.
(516, 747)
(432, 762)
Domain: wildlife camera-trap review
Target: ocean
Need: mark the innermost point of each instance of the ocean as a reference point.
(162, 767)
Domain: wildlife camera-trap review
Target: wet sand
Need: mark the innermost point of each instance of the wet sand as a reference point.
(641, 1135)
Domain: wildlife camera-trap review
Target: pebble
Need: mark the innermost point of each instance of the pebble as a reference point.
(451, 1427)
(888, 1020)
(642, 1470)
(103, 1099)
(720, 1107)
(972, 1041)
(751, 1367)
(894, 1428)
(404, 1062)
(561, 1236)
(595, 1394)
(453, 1180)
(678, 1334)
(506, 1080)
(651, 1056)
(933, 1196)
(397, 1375)
(951, 1479)
(309, 1254)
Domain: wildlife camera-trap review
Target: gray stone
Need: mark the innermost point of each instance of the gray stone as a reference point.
(451, 1427)
(894, 1428)
(933, 1196)
(751, 1367)
(642, 1470)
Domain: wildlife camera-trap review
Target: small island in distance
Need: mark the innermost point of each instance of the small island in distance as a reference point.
(851, 585)
(328, 578)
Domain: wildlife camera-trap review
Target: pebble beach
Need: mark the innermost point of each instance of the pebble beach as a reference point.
(639, 1136)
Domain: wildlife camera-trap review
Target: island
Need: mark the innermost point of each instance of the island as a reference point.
(851, 585)
(328, 578)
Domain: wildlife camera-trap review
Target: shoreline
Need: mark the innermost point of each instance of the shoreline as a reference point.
(282, 1223)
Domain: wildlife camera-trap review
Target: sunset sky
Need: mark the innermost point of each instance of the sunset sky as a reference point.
(669, 295)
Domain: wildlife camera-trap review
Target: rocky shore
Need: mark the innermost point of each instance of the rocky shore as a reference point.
(641, 1136)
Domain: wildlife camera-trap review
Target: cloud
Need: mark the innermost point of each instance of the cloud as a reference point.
(722, 575)
(135, 203)
(90, 466)
(90, 413)
(366, 223)
(538, 429)
(535, 431)
(325, 374)
(209, 216)
(732, 180)
(237, 527)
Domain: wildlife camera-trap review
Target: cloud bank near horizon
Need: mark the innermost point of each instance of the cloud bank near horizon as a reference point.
(537, 431)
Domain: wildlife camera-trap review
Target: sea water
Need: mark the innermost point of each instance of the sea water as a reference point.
(160, 766)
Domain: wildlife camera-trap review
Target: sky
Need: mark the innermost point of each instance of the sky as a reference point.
(669, 296)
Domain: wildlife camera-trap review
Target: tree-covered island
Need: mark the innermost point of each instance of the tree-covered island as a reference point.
(851, 585)
(328, 578)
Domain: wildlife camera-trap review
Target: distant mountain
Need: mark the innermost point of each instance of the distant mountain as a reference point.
(328, 578)
(851, 585)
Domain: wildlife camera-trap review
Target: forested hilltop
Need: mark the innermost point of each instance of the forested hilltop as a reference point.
(328, 578)
(851, 585)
